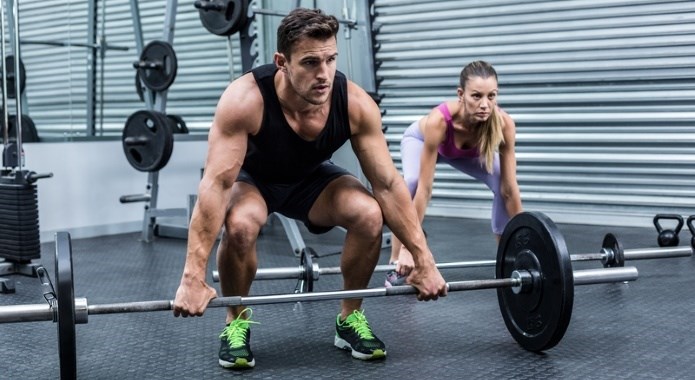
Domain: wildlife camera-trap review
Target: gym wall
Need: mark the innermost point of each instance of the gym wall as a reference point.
(602, 93)
(602, 96)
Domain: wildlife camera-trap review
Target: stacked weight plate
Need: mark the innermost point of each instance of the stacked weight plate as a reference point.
(19, 221)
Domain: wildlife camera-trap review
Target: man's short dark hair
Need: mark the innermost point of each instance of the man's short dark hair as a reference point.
(303, 22)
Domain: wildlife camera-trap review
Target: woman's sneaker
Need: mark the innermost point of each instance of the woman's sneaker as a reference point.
(394, 279)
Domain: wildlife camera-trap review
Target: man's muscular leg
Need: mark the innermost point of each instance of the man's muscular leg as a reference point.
(236, 253)
(345, 202)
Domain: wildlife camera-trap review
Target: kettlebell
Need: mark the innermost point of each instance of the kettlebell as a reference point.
(691, 218)
(668, 238)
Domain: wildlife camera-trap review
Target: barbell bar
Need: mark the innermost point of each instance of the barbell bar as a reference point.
(519, 281)
(350, 23)
(611, 255)
(57, 43)
(227, 17)
(533, 278)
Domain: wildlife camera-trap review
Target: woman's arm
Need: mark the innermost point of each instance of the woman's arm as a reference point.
(433, 128)
(509, 188)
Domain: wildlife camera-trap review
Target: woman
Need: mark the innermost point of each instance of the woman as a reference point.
(472, 135)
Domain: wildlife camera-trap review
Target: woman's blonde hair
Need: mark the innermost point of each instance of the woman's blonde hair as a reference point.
(490, 133)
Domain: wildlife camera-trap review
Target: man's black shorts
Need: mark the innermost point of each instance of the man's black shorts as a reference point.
(294, 200)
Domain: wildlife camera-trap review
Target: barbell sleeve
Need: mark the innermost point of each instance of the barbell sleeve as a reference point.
(44, 312)
(657, 253)
(604, 275)
(26, 313)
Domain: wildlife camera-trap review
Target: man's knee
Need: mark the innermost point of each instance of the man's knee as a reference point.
(368, 218)
(241, 231)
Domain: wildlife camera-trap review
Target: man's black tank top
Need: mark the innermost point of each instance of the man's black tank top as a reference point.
(277, 154)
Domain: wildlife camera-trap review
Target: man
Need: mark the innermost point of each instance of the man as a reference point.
(273, 133)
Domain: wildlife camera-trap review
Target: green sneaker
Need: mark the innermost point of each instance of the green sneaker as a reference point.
(354, 334)
(235, 350)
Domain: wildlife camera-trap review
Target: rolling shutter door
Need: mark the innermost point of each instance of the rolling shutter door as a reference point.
(602, 93)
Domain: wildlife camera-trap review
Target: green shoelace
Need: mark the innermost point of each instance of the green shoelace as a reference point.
(358, 321)
(235, 332)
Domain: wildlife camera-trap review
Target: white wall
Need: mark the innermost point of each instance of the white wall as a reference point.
(89, 177)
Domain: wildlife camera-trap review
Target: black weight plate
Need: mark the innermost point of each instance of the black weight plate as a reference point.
(21, 249)
(161, 54)
(138, 86)
(611, 242)
(9, 184)
(15, 200)
(18, 225)
(22, 237)
(26, 193)
(22, 220)
(8, 229)
(29, 132)
(20, 208)
(307, 262)
(158, 140)
(21, 193)
(26, 254)
(13, 213)
(21, 256)
(9, 64)
(18, 203)
(18, 212)
(177, 124)
(537, 319)
(7, 200)
(66, 306)
(21, 246)
(223, 17)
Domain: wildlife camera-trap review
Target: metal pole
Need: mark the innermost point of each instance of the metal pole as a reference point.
(168, 36)
(139, 46)
(91, 69)
(6, 130)
(43, 312)
(17, 88)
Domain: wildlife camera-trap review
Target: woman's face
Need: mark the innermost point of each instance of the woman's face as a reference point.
(479, 98)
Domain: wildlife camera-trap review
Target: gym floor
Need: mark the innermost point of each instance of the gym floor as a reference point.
(636, 330)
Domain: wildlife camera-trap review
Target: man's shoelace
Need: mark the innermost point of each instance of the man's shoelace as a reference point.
(235, 332)
(359, 323)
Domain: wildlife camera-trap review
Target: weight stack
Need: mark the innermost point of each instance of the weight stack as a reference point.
(19, 220)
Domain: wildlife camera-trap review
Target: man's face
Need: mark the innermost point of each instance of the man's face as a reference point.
(311, 68)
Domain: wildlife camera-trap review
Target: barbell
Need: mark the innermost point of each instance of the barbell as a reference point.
(227, 17)
(534, 281)
(611, 254)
